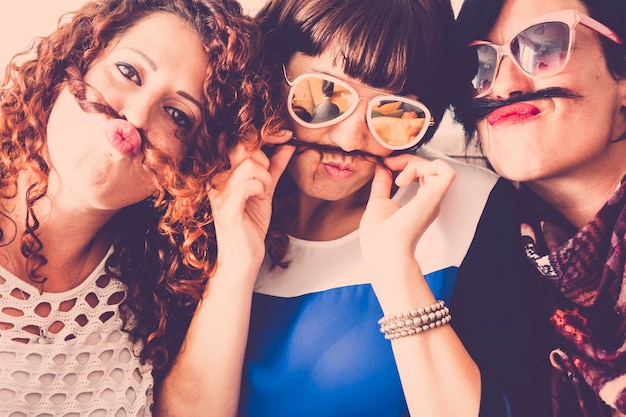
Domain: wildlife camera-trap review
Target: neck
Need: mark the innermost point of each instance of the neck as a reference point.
(580, 192)
(578, 199)
(322, 220)
(73, 241)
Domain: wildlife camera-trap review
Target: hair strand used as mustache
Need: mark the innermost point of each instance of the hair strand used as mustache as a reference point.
(478, 108)
(321, 148)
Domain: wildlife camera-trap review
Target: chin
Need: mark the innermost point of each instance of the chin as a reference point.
(519, 173)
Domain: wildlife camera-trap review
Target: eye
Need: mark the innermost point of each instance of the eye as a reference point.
(179, 117)
(128, 71)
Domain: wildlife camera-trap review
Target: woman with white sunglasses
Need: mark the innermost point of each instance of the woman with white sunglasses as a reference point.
(391, 281)
(552, 116)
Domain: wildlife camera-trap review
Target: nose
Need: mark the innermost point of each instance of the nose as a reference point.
(136, 111)
(352, 133)
(510, 80)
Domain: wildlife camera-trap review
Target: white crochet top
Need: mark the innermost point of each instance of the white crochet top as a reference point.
(64, 354)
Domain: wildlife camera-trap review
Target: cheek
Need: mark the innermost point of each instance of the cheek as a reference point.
(103, 85)
(482, 130)
(167, 143)
(505, 149)
(303, 165)
(68, 127)
(301, 132)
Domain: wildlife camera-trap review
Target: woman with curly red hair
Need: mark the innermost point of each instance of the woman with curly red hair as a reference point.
(110, 137)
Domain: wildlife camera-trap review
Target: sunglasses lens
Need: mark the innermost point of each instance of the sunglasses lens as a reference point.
(398, 122)
(541, 50)
(316, 100)
(487, 60)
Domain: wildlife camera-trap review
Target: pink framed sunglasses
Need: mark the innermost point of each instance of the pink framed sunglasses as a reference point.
(542, 49)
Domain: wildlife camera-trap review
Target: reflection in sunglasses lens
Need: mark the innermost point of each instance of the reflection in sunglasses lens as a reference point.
(397, 123)
(540, 50)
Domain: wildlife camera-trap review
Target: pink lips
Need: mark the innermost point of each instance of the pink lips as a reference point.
(337, 171)
(514, 113)
(123, 136)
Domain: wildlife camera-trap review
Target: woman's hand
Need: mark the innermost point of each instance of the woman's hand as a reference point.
(241, 202)
(390, 232)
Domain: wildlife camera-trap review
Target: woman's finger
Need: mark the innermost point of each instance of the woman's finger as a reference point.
(278, 163)
(381, 184)
(276, 138)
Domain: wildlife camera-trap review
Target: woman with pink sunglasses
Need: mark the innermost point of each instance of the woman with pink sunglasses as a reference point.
(552, 116)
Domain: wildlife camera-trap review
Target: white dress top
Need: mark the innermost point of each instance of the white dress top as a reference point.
(65, 354)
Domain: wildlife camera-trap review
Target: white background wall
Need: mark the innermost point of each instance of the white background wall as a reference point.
(24, 19)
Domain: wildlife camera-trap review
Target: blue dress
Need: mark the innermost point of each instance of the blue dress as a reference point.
(314, 346)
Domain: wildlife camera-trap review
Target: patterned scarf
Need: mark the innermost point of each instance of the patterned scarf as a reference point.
(587, 268)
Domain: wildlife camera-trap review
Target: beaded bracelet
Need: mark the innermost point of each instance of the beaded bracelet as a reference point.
(415, 321)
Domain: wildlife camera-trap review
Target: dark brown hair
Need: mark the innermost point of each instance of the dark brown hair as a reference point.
(399, 45)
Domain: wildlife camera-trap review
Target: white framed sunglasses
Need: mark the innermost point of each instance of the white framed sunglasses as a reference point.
(317, 100)
(541, 50)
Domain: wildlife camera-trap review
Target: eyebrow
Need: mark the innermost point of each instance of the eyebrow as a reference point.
(190, 98)
(144, 56)
(154, 67)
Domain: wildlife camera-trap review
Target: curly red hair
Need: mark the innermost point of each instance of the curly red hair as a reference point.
(165, 248)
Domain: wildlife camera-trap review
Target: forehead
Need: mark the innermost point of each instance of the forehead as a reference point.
(325, 63)
(155, 27)
(328, 62)
(515, 15)
(166, 43)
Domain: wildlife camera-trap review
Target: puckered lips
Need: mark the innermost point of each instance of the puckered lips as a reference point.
(123, 136)
(513, 113)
